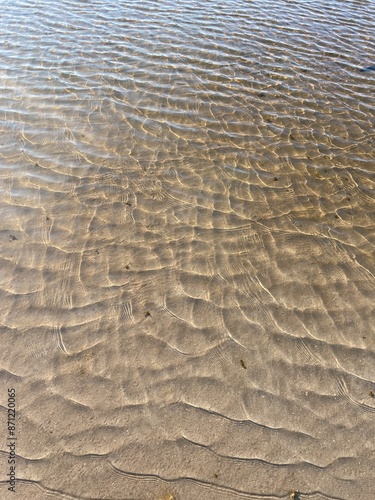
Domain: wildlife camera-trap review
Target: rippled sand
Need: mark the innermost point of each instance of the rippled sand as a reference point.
(187, 249)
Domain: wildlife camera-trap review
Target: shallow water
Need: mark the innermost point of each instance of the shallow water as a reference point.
(187, 248)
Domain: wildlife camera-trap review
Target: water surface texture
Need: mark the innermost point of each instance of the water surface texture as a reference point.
(187, 245)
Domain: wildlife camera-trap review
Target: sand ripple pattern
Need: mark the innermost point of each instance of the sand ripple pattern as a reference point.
(187, 248)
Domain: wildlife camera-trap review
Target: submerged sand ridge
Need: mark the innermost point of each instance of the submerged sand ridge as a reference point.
(187, 251)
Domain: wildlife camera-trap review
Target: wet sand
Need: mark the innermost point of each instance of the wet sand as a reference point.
(187, 250)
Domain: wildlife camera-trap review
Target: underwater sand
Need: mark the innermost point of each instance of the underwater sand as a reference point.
(187, 249)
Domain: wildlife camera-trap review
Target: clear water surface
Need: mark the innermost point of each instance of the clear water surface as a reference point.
(187, 248)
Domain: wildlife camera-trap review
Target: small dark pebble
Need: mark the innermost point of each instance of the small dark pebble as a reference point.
(369, 68)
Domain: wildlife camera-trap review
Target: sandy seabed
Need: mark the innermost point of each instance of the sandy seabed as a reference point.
(187, 251)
